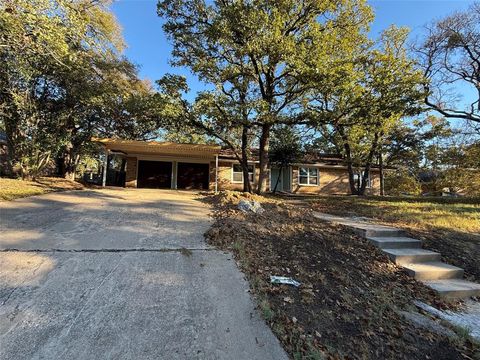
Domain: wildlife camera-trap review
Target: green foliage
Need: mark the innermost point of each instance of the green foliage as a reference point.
(183, 137)
(459, 180)
(64, 80)
(450, 158)
(87, 163)
(401, 182)
(364, 105)
(285, 146)
(259, 55)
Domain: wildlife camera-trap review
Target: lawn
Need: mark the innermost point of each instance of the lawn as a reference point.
(14, 188)
(450, 226)
(349, 301)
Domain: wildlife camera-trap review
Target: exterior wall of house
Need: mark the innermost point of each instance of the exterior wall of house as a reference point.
(375, 183)
(225, 177)
(132, 163)
(131, 172)
(332, 181)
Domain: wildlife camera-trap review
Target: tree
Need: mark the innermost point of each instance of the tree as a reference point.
(63, 80)
(451, 158)
(377, 87)
(450, 58)
(285, 151)
(402, 182)
(403, 146)
(269, 45)
(217, 115)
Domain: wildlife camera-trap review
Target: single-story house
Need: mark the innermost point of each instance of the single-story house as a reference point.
(153, 164)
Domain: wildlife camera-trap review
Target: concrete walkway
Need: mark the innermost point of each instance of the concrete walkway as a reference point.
(423, 265)
(121, 274)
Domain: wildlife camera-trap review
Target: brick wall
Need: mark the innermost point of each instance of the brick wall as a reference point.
(225, 177)
(333, 181)
(131, 172)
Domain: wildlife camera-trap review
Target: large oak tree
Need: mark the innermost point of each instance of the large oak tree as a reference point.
(268, 44)
(378, 85)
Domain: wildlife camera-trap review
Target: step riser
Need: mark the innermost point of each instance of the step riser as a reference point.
(458, 294)
(435, 275)
(379, 233)
(409, 259)
(454, 289)
(396, 244)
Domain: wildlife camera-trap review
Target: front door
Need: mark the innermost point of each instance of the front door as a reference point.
(276, 175)
(154, 174)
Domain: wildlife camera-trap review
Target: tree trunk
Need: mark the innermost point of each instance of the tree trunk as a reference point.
(368, 164)
(71, 161)
(11, 131)
(363, 183)
(247, 186)
(10, 157)
(263, 154)
(348, 154)
(351, 179)
(382, 180)
(60, 166)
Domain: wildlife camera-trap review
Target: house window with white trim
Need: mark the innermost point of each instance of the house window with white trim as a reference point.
(308, 176)
(237, 173)
(358, 178)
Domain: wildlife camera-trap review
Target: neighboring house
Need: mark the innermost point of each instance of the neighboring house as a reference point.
(151, 164)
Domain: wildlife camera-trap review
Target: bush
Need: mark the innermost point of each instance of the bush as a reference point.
(401, 183)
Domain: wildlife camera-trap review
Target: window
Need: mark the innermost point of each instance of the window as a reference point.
(237, 173)
(358, 180)
(308, 176)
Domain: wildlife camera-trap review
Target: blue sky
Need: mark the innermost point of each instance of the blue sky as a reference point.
(148, 47)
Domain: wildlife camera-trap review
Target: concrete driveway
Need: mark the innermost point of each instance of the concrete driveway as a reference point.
(121, 274)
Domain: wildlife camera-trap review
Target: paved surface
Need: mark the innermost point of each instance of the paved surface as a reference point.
(104, 275)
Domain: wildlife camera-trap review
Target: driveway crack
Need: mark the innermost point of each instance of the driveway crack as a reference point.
(128, 250)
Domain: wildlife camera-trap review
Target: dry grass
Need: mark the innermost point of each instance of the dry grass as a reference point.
(350, 293)
(449, 214)
(449, 226)
(13, 188)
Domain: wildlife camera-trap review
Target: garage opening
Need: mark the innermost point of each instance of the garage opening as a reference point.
(192, 176)
(154, 174)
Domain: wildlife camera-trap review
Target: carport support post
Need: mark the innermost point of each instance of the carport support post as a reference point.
(105, 168)
(216, 173)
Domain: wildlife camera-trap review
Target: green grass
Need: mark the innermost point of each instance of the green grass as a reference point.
(14, 188)
(267, 311)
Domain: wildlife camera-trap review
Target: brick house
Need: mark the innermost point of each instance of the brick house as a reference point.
(152, 164)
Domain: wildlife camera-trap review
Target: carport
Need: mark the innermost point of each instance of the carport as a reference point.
(164, 165)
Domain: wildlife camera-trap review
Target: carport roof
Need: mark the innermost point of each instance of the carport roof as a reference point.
(157, 147)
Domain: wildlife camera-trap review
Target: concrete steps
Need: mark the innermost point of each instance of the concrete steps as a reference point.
(454, 288)
(433, 271)
(378, 231)
(421, 264)
(394, 242)
(411, 255)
